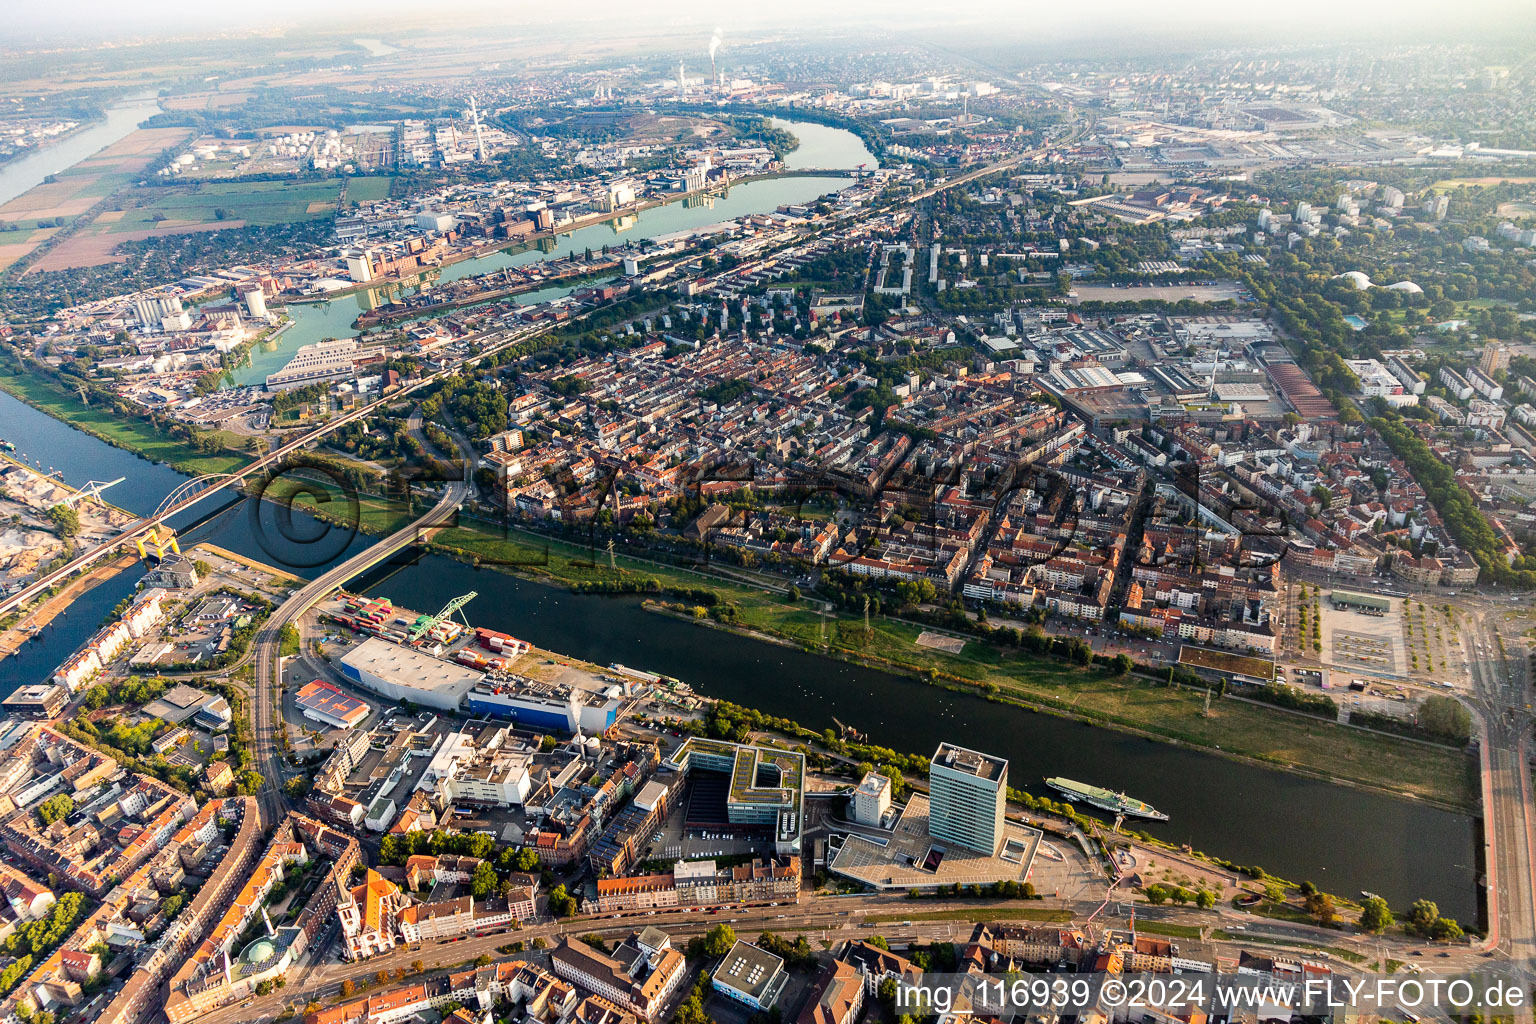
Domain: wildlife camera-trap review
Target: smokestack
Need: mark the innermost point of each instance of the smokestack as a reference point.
(714, 73)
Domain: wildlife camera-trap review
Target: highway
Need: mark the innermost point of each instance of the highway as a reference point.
(1501, 693)
(27, 594)
(267, 699)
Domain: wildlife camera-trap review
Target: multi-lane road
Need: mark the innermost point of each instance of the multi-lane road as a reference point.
(494, 343)
(1501, 692)
(825, 919)
(267, 699)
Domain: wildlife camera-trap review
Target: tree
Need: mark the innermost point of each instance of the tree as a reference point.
(417, 967)
(483, 882)
(719, 940)
(1320, 906)
(1423, 915)
(561, 903)
(1123, 664)
(60, 805)
(1446, 929)
(1205, 899)
(348, 988)
(66, 521)
(1375, 915)
(1445, 717)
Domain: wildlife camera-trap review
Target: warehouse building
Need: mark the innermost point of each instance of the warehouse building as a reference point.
(551, 707)
(406, 674)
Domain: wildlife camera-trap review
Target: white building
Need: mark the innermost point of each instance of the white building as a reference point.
(872, 800)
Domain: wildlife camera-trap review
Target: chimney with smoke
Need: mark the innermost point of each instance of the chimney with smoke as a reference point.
(714, 73)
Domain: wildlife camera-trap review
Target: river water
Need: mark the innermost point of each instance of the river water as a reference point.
(20, 175)
(820, 146)
(1342, 839)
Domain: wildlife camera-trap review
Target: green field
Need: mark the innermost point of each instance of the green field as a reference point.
(1177, 931)
(368, 188)
(131, 434)
(260, 203)
(255, 202)
(1275, 737)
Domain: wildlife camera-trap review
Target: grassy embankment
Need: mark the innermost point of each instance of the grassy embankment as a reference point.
(1270, 736)
(132, 435)
(1265, 735)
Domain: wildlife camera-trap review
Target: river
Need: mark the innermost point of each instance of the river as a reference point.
(29, 171)
(820, 146)
(1342, 839)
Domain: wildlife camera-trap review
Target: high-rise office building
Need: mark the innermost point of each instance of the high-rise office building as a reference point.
(967, 794)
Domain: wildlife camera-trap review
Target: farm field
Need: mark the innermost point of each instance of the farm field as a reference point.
(145, 212)
(253, 202)
(33, 216)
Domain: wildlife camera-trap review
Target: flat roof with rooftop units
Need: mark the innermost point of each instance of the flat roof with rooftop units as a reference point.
(750, 975)
(767, 784)
(972, 762)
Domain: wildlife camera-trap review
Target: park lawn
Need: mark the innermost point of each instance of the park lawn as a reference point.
(1265, 734)
(134, 435)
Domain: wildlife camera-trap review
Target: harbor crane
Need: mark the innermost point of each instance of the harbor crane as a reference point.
(425, 625)
(92, 489)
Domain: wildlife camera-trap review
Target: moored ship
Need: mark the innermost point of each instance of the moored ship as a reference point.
(1105, 799)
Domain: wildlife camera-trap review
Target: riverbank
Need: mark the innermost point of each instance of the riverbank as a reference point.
(1314, 747)
(38, 616)
(1235, 729)
(389, 314)
(1248, 731)
(128, 434)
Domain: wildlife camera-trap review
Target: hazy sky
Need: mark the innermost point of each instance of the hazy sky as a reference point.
(1288, 22)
